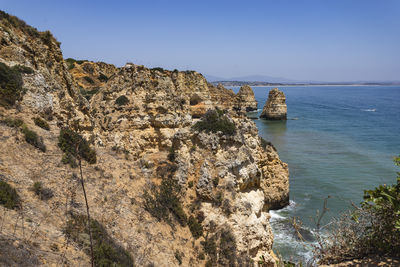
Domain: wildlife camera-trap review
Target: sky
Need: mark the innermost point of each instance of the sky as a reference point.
(320, 40)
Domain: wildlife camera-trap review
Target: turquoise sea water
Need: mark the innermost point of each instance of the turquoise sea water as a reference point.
(338, 141)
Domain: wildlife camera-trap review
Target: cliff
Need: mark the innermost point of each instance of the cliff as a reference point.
(179, 175)
(275, 108)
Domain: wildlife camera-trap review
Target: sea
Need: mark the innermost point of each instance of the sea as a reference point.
(338, 141)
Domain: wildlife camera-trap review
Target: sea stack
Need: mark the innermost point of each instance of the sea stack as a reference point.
(246, 98)
(275, 108)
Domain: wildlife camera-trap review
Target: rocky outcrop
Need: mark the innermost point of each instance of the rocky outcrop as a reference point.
(246, 99)
(141, 123)
(275, 108)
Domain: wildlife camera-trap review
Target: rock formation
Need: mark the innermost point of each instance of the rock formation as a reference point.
(246, 98)
(141, 123)
(275, 108)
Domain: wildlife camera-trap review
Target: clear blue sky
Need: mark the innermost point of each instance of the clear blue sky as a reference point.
(335, 40)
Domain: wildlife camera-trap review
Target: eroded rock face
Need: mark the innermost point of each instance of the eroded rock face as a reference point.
(275, 108)
(246, 98)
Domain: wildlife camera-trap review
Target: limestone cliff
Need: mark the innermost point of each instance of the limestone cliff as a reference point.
(275, 108)
(143, 125)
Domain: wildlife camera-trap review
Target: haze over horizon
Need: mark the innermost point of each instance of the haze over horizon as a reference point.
(331, 41)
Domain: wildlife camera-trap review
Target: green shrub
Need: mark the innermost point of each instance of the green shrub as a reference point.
(158, 69)
(10, 85)
(14, 123)
(67, 158)
(215, 121)
(172, 154)
(75, 145)
(164, 200)
(9, 197)
(122, 100)
(215, 181)
(70, 63)
(106, 251)
(178, 257)
(195, 227)
(89, 93)
(88, 79)
(34, 139)
(41, 192)
(210, 248)
(37, 188)
(190, 184)
(23, 69)
(41, 123)
(102, 77)
(48, 39)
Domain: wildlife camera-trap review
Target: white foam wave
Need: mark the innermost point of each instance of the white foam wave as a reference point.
(369, 110)
(275, 215)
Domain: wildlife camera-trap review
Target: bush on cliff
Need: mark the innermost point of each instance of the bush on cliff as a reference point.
(102, 77)
(10, 85)
(88, 94)
(122, 100)
(195, 227)
(9, 197)
(34, 139)
(70, 63)
(215, 121)
(106, 251)
(88, 79)
(41, 123)
(74, 145)
(371, 229)
(164, 200)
